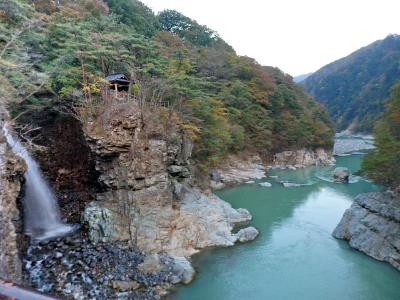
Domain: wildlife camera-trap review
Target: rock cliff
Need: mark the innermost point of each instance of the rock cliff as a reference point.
(147, 199)
(238, 169)
(11, 175)
(372, 225)
(302, 158)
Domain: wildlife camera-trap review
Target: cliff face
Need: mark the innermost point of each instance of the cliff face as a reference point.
(302, 158)
(65, 159)
(372, 225)
(11, 175)
(147, 199)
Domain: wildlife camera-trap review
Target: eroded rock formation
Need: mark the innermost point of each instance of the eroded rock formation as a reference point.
(302, 158)
(238, 169)
(147, 199)
(372, 225)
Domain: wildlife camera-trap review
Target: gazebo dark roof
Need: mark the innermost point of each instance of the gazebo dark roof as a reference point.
(117, 77)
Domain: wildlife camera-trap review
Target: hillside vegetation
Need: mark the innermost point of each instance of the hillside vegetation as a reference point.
(383, 164)
(54, 57)
(354, 88)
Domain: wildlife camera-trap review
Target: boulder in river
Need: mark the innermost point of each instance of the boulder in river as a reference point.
(182, 270)
(290, 184)
(265, 184)
(372, 225)
(247, 234)
(341, 174)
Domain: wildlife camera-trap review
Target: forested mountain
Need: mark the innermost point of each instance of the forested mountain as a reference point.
(56, 54)
(300, 78)
(354, 88)
(383, 163)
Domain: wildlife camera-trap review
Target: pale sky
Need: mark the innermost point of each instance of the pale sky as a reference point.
(298, 36)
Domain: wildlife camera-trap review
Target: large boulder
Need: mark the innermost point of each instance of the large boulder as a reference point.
(182, 270)
(341, 174)
(179, 267)
(247, 234)
(372, 225)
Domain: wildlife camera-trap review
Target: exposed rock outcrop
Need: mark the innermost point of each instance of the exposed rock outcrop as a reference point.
(238, 169)
(11, 176)
(341, 175)
(66, 161)
(303, 158)
(247, 234)
(147, 198)
(372, 225)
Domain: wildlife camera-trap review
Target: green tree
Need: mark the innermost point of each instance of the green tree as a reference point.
(383, 163)
(135, 14)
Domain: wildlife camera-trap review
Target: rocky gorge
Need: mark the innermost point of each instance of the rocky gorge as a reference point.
(144, 202)
(148, 217)
(247, 167)
(146, 214)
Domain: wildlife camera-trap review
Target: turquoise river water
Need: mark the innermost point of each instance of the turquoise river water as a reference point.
(295, 256)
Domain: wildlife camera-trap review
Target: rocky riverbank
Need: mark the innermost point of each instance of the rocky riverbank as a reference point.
(246, 167)
(303, 158)
(75, 268)
(347, 143)
(372, 225)
(237, 169)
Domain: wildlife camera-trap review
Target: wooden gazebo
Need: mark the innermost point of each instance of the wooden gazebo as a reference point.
(118, 82)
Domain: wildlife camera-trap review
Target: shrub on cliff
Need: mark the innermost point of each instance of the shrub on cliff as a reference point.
(383, 163)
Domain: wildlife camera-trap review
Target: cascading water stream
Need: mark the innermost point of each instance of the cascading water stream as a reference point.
(42, 220)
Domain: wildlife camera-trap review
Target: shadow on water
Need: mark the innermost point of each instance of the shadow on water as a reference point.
(295, 256)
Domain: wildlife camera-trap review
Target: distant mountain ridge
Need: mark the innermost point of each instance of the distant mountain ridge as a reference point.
(355, 87)
(301, 77)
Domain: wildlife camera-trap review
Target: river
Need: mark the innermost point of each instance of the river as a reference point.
(295, 256)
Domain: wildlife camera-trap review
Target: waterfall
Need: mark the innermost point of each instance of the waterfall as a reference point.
(42, 220)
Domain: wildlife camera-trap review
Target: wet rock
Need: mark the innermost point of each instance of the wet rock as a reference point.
(11, 176)
(341, 175)
(247, 234)
(292, 184)
(372, 225)
(182, 270)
